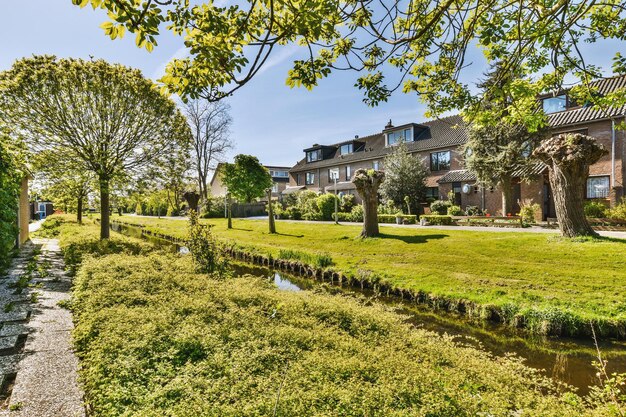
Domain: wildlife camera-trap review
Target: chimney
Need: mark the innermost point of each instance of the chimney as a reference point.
(389, 125)
(356, 136)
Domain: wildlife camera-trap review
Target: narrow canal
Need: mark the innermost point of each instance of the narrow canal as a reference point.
(563, 359)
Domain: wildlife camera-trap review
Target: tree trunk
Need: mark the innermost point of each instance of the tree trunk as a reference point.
(230, 215)
(370, 216)
(270, 212)
(568, 187)
(79, 210)
(507, 196)
(105, 222)
(367, 183)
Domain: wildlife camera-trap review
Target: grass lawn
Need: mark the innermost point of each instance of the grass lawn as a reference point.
(544, 279)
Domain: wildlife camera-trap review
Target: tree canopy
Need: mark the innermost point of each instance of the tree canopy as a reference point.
(246, 179)
(405, 176)
(418, 46)
(499, 148)
(107, 116)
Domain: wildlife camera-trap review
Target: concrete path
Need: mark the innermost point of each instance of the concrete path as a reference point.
(41, 363)
(34, 226)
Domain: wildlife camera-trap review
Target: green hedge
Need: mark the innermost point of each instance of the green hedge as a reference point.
(382, 218)
(391, 218)
(10, 178)
(436, 219)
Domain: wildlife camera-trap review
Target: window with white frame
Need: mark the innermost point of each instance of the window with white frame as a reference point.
(397, 136)
(598, 187)
(376, 165)
(275, 187)
(348, 172)
(346, 149)
(313, 156)
(310, 178)
(279, 174)
(333, 174)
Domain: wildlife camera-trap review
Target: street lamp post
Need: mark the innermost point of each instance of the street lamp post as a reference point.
(336, 198)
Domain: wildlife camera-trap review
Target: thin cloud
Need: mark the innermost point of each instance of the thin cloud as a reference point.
(180, 53)
(279, 57)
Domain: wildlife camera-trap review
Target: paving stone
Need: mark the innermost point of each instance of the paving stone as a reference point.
(9, 363)
(13, 330)
(8, 342)
(13, 316)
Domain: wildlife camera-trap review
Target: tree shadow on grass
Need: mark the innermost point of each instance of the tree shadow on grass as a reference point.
(241, 228)
(287, 234)
(414, 238)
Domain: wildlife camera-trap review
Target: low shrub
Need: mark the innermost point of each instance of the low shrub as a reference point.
(213, 209)
(204, 248)
(157, 339)
(388, 208)
(348, 201)
(326, 205)
(595, 209)
(455, 211)
(292, 213)
(391, 218)
(440, 207)
(619, 211)
(357, 213)
(473, 211)
(528, 213)
(436, 219)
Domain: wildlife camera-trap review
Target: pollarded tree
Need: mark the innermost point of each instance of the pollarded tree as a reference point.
(367, 183)
(404, 178)
(107, 116)
(568, 157)
(246, 179)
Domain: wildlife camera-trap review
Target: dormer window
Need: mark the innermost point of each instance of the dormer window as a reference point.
(397, 136)
(554, 104)
(346, 149)
(312, 156)
(279, 174)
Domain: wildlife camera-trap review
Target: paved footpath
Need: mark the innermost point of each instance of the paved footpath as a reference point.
(37, 364)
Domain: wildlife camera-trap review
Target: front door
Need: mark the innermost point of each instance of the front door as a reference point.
(457, 190)
(548, 202)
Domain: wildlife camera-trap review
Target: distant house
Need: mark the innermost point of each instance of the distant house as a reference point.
(280, 179)
(437, 143)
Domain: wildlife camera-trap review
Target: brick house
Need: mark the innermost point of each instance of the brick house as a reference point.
(437, 143)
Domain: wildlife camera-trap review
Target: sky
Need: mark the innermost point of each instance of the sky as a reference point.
(271, 120)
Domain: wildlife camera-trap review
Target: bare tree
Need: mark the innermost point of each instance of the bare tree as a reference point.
(210, 124)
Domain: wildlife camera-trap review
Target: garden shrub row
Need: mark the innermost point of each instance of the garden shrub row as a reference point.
(437, 219)
(157, 339)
